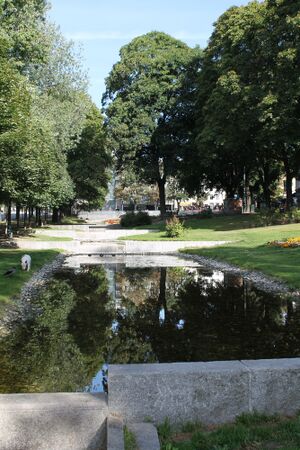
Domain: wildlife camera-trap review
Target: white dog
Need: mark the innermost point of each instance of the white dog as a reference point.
(26, 262)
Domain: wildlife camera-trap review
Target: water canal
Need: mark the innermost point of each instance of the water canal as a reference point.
(140, 309)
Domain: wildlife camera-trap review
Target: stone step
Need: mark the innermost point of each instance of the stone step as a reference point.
(146, 435)
(115, 433)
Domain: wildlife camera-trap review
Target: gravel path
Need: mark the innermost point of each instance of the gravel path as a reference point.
(40, 278)
(261, 281)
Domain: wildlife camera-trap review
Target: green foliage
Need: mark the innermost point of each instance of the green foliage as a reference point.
(43, 110)
(140, 99)
(89, 161)
(129, 440)
(253, 432)
(164, 430)
(257, 418)
(270, 217)
(132, 219)
(190, 427)
(247, 128)
(59, 345)
(174, 227)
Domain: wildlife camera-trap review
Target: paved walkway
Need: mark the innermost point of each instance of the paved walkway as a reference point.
(104, 240)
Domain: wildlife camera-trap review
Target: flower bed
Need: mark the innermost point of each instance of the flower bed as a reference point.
(286, 243)
(112, 221)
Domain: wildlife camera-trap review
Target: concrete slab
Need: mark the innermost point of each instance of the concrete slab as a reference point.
(146, 435)
(68, 421)
(213, 392)
(274, 385)
(115, 433)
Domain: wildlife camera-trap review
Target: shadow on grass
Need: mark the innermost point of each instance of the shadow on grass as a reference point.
(223, 223)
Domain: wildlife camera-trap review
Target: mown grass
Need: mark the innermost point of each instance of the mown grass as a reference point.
(216, 229)
(11, 286)
(249, 432)
(247, 247)
(45, 238)
(72, 220)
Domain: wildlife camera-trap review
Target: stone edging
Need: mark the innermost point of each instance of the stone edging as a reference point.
(40, 278)
(209, 392)
(261, 281)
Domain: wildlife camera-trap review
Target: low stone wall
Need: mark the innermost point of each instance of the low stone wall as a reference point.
(119, 247)
(53, 421)
(212, 392)
(150, 247)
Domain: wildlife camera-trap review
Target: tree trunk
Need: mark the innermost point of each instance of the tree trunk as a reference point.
(55, 215)
(267, 195)
(30, 215)
(8, 219)
(162, 196)
(39, 220)
(266, 186)
(18, 215)
(25, 217)
(289, 193)
(247, 200)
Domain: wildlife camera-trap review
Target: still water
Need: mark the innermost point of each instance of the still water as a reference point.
(138, 310)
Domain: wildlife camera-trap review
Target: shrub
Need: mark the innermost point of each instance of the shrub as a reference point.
(174, 228)
(133, 220)
(275, 217)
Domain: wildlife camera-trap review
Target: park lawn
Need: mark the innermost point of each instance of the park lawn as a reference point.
(11, 286)
(249, 432)
(247, 248)
(45, 238)
(199, 229)
(72, 220)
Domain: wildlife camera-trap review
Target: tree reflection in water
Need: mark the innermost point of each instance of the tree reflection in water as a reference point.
(155, 315)
(60, 346)
(191, 317)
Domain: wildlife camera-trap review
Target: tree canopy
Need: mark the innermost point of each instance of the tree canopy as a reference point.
(45, 114)
(140, 102)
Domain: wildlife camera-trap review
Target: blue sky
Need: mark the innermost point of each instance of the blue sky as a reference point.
(101, 27)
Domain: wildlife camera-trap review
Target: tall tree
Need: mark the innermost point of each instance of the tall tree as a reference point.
(279, 107)
(141, 93)
(89, 162)
(14, 121)
(248, 103)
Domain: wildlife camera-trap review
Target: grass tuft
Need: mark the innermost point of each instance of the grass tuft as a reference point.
(249, 432)
(129, 439)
